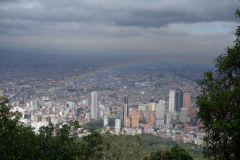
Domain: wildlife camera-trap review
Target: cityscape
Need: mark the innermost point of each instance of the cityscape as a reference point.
(153, 98)
(129, 79)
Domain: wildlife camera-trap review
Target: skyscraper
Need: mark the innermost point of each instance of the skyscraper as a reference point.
(125, 108)
(77, 112)
(187, 102)
(135, 118)
(178, 100)
(171, 101)
(183, 115)
(105, 121)
(160, 110)
(125, 99)
(117, 126)
(127, 122)
(94, 105)
(169, 118)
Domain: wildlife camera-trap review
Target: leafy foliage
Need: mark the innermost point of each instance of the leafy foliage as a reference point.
(153, 143)
(219, 104)
(140, 146)
(15, 140)
(121, 147)
(176, 153)
(20, 142)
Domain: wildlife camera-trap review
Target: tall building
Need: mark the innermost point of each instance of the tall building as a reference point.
(125, 99)
(151, 121)
(127, 122)
(175, 115)
(141, 116)
(160, 110)
(178, 100)
(125, 108)
(171, 101)
(125, 111)
(169, 117)
(77, 112)
(105, 121)
(117, 126)
(135, 118)
(94, 105)
(187, 102)
(183, 115)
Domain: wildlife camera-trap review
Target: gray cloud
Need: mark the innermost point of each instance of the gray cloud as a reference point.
(216, 34)
(111, 24)
(125, 13)
(8, 1)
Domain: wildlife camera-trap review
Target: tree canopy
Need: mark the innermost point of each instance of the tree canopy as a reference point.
(20, 142)
(219, 104)
(176, 153)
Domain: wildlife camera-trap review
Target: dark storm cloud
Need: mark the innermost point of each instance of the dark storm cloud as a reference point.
(38, 13)
(125, 13)
(163, 18)
(154, 26)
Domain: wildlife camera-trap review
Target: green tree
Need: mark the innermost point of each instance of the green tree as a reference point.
(219, 104)
(20, 142)
(16, 141)
(176, 153)
(90, 146)
(121, 146)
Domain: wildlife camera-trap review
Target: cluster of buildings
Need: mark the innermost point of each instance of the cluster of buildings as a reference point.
(179, 109)
(156, 99)
(170, 119)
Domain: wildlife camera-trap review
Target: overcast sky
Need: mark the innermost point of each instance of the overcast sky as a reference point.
(196, 27)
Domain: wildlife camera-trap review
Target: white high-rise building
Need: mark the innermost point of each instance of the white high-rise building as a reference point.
(171, 100)
(160, 110)
(105, 121)
(117, 126)
(94, 105)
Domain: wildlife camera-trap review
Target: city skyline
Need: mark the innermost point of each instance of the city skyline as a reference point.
(136, 76)
(59, 89)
